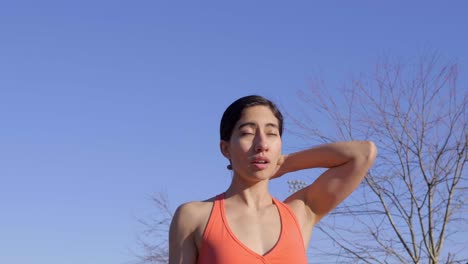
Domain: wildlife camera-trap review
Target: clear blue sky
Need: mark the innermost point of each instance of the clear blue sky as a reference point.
(104, 103)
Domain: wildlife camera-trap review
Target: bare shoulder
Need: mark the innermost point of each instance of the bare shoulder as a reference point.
(194, 209)
(297, 203)
(304, 215)
(192, 214)
(190, 219)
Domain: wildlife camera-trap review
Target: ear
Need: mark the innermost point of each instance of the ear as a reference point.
(224, 146)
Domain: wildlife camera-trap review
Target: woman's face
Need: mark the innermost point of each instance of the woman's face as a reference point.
(255, 145)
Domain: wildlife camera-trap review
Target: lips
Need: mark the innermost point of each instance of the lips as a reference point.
(260, 163)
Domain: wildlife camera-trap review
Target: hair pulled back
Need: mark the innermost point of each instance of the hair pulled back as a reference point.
(234, 112)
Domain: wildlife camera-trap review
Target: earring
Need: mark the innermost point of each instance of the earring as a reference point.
(229, 167)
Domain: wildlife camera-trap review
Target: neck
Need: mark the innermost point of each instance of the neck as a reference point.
(250, 194)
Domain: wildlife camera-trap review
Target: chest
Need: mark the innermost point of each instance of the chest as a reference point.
(257, 230)
(242, 236)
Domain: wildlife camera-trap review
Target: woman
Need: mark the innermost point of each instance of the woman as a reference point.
(245, 224)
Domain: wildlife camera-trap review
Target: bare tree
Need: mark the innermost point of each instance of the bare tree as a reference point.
(153, 241)
(413, 201)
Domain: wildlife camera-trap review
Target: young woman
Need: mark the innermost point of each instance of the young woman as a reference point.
(245, 224)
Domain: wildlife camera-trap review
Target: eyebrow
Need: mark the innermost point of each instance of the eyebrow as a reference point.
(251, 124)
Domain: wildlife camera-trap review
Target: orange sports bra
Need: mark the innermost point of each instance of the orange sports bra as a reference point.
(220, 245)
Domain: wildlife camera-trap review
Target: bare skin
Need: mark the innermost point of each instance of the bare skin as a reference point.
(255, 153)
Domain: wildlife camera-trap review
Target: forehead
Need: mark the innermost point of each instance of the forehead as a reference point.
(258, 114)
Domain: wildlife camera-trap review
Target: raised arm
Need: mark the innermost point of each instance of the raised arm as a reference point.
(182, 249)
(348, 163)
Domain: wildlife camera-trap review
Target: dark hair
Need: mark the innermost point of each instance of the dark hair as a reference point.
(234, 112)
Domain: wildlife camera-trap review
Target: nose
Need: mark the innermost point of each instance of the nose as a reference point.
(261, 145)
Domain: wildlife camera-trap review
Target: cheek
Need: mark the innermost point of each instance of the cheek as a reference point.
(276, 145)
(240, 147)
(277, 150)
(244, 144)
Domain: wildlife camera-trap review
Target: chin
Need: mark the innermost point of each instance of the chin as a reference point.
(264, 175)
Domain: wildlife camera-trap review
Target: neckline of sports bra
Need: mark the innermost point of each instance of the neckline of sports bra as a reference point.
(228, 228)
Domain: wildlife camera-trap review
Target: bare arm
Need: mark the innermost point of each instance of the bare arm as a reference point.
(348, 163)
(182, 249)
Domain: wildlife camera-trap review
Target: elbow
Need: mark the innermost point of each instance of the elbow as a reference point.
(369, 152)
(372, 150)
(365, 152)
(365, 157)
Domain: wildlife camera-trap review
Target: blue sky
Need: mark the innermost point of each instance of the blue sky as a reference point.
(104, 103)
